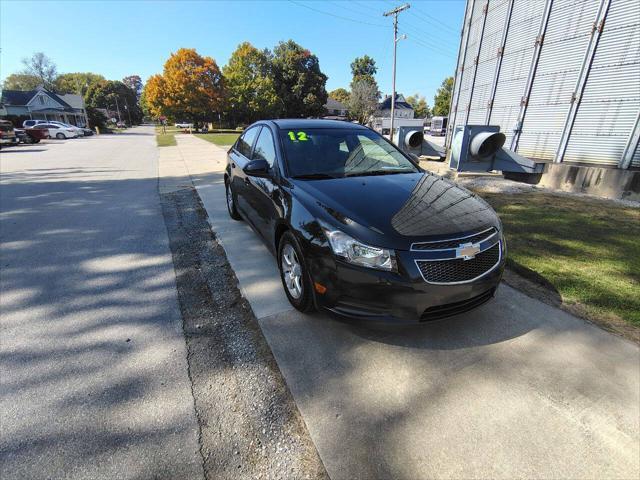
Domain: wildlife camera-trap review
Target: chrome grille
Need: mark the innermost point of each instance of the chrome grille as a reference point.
(453, 243)
(459, 270)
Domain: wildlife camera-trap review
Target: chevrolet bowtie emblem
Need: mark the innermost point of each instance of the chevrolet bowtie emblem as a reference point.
(467, 250)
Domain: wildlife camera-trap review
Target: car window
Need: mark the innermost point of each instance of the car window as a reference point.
(341, 152)
(265, 149)
(245, 142)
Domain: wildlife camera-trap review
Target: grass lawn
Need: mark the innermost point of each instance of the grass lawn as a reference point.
(588, 250)
(220, 139)
(166, 139)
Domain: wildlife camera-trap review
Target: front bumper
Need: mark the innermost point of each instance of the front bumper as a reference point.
(405, 297)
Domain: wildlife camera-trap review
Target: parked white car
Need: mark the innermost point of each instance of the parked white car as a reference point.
(56, 131)
(78, 130)
(184, 125)
(32, 123)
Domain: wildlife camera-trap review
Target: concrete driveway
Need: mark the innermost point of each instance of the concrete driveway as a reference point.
(94, 377)
(515, 389)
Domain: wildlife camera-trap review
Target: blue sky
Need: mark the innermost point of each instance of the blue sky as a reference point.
(119, 38)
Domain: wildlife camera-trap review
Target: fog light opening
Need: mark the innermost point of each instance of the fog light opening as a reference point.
(321, 289)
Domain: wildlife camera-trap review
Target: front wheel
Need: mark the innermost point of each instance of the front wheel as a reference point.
(293, 273)
(60, 136)
(231, 203)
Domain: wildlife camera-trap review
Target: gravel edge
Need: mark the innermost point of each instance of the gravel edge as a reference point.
(249, 424)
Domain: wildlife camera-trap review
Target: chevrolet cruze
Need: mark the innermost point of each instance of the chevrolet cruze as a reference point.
(357, 227)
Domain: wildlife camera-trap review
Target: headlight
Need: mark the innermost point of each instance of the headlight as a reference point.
(353, 251)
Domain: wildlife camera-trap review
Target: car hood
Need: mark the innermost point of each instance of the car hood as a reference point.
(394, 211)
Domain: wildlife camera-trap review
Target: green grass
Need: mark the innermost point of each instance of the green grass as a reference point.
(586, 249)
(220, 139)
(166, 140)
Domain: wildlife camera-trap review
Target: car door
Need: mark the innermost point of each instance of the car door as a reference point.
(262, 193)
(239, 156)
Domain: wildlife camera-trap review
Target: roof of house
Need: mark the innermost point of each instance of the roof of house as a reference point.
(333, 104)
(73, 100)
(23, 97)
(401, 103)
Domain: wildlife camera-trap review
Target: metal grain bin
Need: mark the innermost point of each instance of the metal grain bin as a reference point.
(560, 77)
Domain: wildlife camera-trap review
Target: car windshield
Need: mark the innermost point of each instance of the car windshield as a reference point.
(318, 153)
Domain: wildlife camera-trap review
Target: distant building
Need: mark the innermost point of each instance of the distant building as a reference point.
(335, 110)
(402, 108)
(41, 104)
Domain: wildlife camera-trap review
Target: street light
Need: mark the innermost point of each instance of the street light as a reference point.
(395, 13)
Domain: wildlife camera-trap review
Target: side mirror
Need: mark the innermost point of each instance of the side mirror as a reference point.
(257, 168)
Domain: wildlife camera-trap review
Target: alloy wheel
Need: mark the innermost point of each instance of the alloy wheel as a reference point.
(291, 271)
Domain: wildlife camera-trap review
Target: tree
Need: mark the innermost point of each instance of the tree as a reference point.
(363, 68)
(251, 90)
(299, 82)
(42, 67)
(442, 99)
(190, 88)
(134, 82)
(363, 100)
(419, 104)
(340, 95)
(96, 117)
(21, 81)
(77, 83)
(115, 96)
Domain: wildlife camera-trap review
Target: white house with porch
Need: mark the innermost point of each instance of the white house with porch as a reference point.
(41, 104)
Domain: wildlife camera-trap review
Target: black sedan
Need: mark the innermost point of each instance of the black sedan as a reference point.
(357, 227)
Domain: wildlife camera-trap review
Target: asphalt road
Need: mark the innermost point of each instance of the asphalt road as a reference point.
(514, 389)
(94, 375)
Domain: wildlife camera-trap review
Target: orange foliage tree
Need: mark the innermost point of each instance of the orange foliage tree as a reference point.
(191, 87)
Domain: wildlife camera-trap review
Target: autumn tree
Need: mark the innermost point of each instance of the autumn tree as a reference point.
(340, 95)
(419, 105)
(21, 81)
(298, 80)
(442, 99)
(115, 96)
(363, 100)
(190, 88)
(77, 83)
(251, 90)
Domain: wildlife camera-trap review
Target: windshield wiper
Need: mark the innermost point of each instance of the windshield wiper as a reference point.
(377, 172)
(313, 176)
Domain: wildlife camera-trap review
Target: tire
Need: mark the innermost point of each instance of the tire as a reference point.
(231, 202)
(293, 273)
(60, 136)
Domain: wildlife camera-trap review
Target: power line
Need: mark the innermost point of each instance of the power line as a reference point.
(411, 30)
(431, 19)
(431, 48)
(338, 16)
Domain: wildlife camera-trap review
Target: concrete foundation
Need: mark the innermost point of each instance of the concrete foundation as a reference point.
(604, 182)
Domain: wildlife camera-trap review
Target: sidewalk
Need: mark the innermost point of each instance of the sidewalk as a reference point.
(514, 389)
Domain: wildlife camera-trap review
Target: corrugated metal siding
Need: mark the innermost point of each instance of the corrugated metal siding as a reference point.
(455, 111)
(474, 44)
(635, 160)
(518, 52)
(487, 61)
(611, 98)
(561, 57)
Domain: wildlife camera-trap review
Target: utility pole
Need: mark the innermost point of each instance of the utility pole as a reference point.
(395, 13)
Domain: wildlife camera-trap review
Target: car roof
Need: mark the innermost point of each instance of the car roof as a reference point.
(293, 123)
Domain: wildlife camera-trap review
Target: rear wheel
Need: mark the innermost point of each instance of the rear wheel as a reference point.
(231, 202)
(293, 273)
(60, 136)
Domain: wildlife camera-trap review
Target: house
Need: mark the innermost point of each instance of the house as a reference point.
(41, 104)
(403, 108)
(335, 110)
